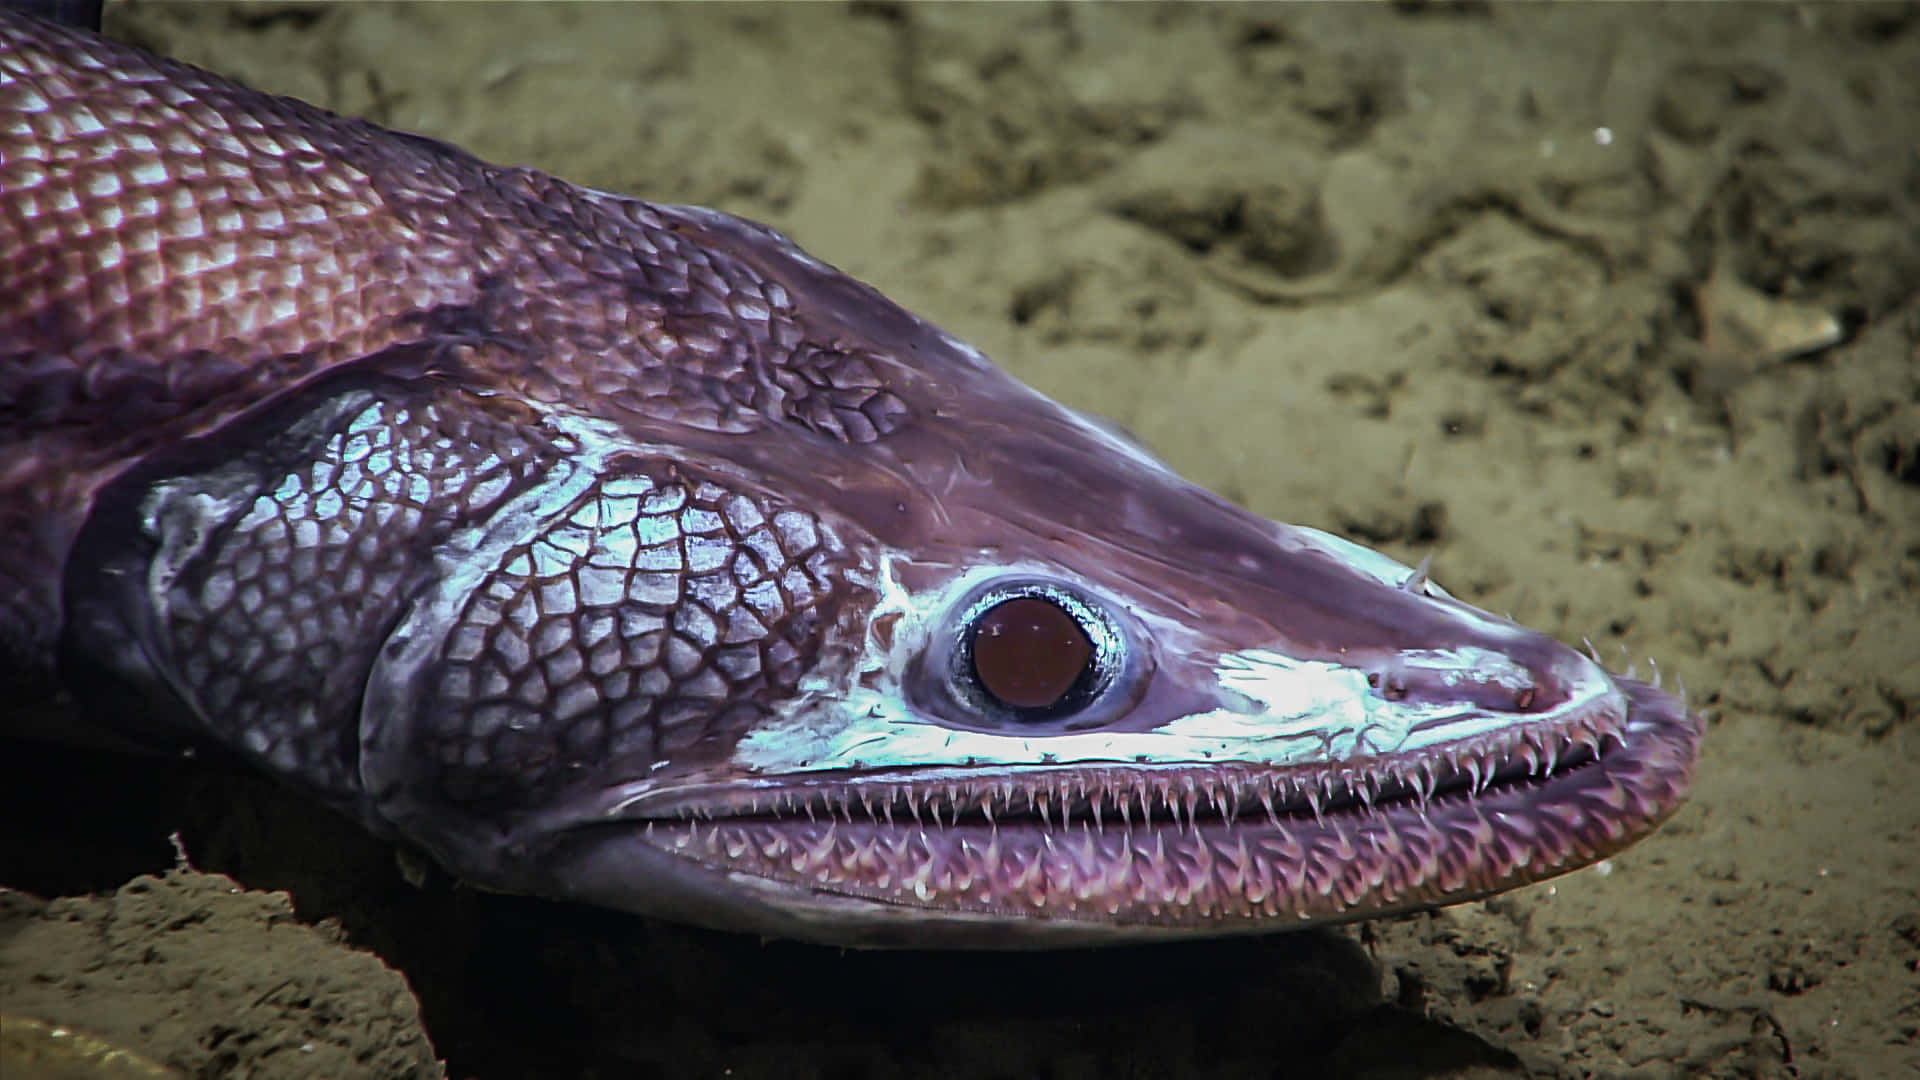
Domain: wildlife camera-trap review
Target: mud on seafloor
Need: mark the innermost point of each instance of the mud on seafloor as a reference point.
(1541, 291)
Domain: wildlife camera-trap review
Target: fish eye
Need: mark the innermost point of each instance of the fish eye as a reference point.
(1028, 653)
(1033, 652)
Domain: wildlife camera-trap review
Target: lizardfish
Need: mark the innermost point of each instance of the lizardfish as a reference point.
(625, 553)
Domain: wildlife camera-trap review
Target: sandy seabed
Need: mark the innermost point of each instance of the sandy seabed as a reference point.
(1546, 292)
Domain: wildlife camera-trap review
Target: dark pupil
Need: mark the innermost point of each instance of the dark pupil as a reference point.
(1028, 653)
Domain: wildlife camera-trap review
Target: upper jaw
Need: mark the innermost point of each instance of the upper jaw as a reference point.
(1196, 868)
(1190, 699)
(1320, 742)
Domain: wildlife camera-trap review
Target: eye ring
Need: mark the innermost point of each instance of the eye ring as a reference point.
(992, 669)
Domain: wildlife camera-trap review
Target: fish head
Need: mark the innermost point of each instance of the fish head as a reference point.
(1064, 696)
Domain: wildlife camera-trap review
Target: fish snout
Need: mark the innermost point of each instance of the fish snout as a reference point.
(1535, 679)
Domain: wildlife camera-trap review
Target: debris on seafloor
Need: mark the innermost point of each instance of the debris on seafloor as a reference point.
(34, 1049)
(1744, 331)
(1743, 325)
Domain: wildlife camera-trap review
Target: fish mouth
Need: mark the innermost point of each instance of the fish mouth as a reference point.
(1098, 851)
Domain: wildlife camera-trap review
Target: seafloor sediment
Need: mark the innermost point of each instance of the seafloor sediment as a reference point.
(1533, 290)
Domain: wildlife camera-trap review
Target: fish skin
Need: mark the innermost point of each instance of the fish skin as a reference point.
(624, 552)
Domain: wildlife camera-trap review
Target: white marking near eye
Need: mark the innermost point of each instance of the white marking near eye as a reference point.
(1303, 711)
(1280, 710)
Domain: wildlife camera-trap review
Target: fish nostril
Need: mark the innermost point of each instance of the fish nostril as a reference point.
(1390, 688)
(1523, 699)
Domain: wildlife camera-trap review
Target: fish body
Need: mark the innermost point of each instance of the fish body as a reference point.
(623, 552)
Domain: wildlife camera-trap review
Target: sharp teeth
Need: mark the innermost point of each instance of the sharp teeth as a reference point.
(1416, 582)
(1266, 800)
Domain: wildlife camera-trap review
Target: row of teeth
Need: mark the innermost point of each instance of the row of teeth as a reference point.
(1633, 668)
(1102, 796)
